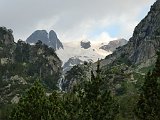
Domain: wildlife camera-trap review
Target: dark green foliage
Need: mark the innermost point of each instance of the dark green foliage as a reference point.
(56, 111)
(123, 59)
(32, 106)
(100, 105)
(89, 102)
(5, 111)
(21, 64)
(148, 104)
(22, 52)
(95, 103)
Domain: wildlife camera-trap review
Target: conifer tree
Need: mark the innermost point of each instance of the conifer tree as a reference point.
(56, 111)
(32, 106)
(148, 106)
(98, 104)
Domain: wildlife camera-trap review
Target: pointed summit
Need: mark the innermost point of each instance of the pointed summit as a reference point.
(50, 39)
(54, 42)
(38, 35)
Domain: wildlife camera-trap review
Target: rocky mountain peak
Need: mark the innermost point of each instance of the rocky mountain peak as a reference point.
(49, 39)
(85, 44)
(38, 35)
(54, 41)
(112, 45)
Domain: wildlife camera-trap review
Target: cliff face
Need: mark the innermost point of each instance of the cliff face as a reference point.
(144, 43)
(54, 42)
(146, 37)
(49, 39)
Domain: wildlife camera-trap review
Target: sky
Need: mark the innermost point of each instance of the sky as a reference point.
(95, 20)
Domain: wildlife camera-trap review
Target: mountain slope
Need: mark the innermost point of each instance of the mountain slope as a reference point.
(142, 46)
(21, 64)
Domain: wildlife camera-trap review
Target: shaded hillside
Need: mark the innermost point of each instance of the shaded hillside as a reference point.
(21, 64)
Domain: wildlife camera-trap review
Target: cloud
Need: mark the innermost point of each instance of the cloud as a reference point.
(72, 19)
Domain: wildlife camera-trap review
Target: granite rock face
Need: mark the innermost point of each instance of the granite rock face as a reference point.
(38, 35)
(112, 45)
(54, 42)
(144, 43)
(70, 63)
(50, 39)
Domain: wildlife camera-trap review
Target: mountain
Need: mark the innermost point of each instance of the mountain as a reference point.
(76, 52)
(21, 64)
(50, 39)
(112, 45)
(128, 64)
(142, 46)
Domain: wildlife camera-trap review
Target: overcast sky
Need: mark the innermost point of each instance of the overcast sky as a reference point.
(74, 19)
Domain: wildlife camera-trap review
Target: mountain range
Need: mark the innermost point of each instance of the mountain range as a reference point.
(130, 62)
(123, 69)
(75, 52)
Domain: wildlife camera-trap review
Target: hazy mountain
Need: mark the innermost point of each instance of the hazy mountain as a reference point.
(75, 52)
(85, 44)
(50, 39)
(112, 45)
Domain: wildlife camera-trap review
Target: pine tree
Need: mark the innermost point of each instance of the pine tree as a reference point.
(56, 110)
(98, 104)
(148, 106)
(32, 106)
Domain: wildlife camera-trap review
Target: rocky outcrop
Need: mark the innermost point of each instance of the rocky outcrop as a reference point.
(85, 44)
(112, 45)
(144, 43)
(70, 63)
(6, 36)
(50, 39)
